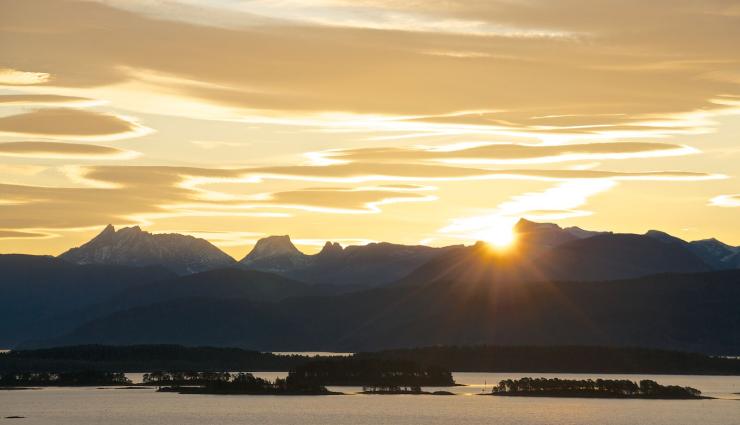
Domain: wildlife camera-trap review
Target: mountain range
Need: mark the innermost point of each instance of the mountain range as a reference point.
(559, 285)
(376, 264)
(352, 267)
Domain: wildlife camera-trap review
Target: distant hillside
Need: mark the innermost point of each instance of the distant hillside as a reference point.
(564, 359)
(230, 283)
(144, 358)
(670, 311)
(131, 246)
(36, 290)
(145, 289)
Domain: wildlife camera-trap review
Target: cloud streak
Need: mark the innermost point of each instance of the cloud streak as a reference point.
(503, 153)
(71, 123)
(60, 150)
(46, 99)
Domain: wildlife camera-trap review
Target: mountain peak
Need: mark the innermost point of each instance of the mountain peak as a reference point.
(133, 246)
(132, 230)
(274, 254)
(331, 248)
(524, 225)
(664, 237)
(106, 235)
(540, 236)
(274, 245)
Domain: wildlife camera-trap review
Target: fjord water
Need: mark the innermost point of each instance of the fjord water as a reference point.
(87, 406)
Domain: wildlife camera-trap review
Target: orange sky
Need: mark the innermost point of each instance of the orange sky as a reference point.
(358, 121)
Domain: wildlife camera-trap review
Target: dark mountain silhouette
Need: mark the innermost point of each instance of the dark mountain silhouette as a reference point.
(453, 293)
(716, 254)
(693, 312)
(538, 237)
(35, 289)
(606, 256)
(617, 256)
(352, 267)
(132, 246)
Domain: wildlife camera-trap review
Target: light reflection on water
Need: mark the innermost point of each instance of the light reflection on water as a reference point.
(87, 406)
(311, 353)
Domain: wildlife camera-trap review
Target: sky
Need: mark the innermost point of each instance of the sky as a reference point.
(412, 122)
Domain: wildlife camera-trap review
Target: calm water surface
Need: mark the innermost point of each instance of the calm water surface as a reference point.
(85, 406)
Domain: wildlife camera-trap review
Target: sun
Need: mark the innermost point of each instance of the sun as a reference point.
(501, 240)
(500, 237)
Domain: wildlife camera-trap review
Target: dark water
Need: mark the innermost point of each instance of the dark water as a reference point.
(84, 406)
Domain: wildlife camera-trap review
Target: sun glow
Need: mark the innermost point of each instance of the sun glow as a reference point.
(499, 237)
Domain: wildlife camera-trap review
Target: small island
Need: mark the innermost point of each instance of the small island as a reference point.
(590, 388)
(230, 383)
(376, 372)
(396, 389)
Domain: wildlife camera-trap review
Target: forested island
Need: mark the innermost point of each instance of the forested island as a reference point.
(351, 371)
(590, 388)
(233, 383)
(375, 376)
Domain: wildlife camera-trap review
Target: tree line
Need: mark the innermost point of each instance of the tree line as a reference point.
(80, 378)
(612, 388)
(350, 371)
(230, 383)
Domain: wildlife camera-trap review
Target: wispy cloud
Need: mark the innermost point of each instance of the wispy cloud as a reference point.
(14, 77)
(557, 203)
(725, 201)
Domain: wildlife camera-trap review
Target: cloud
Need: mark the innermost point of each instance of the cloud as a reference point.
(130, 194)
(725, 201)
(512, 153)
(343, 200)
(13, 77)
(585, 77)
(14, 234)
(46, 99)
(557, 203)
(400, 172)
(62, 150)
(579, 83)
(68, 122)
